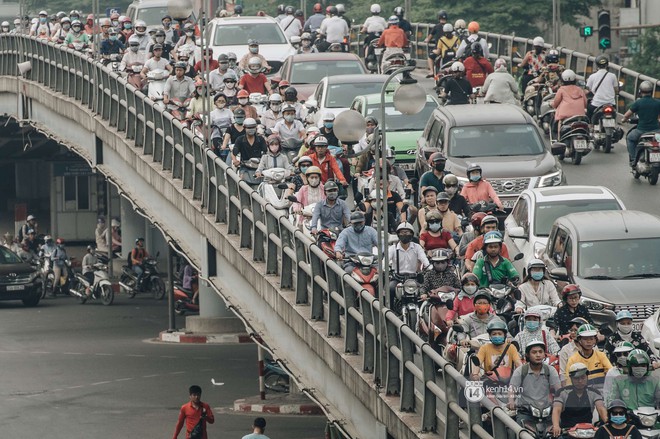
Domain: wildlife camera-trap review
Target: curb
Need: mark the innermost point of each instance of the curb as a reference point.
(188, 337)
(240, 405)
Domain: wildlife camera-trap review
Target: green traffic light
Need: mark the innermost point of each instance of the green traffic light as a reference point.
(588, 30)
(605, 43)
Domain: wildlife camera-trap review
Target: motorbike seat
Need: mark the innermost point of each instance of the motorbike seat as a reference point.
(82, 280)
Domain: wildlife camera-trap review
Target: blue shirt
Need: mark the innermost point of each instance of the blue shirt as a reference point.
(351, 243)
(647, 110)
(331, 217)
(111, 47)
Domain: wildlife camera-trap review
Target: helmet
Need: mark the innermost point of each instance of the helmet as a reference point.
(253, 42)
(272, 139)
(238, 10)
(306, 36)
(113, 31)
(569, 290)
(437, 157)
(489, 219)
(180, 65)
(357, 216)
(280, 9)
(140, 24)
(496, 325)
(305, 159)
(230, 76)
(330, 185)
(30, 231)
(447, 28)
(299, 13)
(105, 22)
(482, 294)
(328, 117)
(90, 248)
(538, 41)
(312, 170)
(568, 75)
(616, 403)
(623, 314)
(646, 87)
(578, 370)
(442, 15)
(460, 24)
(535, 263)
(17, 21)
(332, 10)
(59, 241)
(534, 343)
(602, 61)
(473, 167)
(476, 220)
(493, 237)
(341, 8)
(393, 19)
(477, 49)
(443, 196)
(46, 13)
(242, 94)
(231, 56)
(250, 123)
(587, 331)
(469, 277)
(139, 239)
(398, 11)
(637, 358)
(473, 27)
(440, 254)
(450, 179)
(160, 33)
(321, 141)
(290, 94)
(275, 98)
(405, 226)
(254, 64)
(375, 8)
(5, 24)
(457, 66)
(430, 189)
(77, 23)
(48, 238)
(433, 215)
(623, 346)
(30, 218)
(318, 8)
(532, 313)
(552, 56)
(283, 83)
(371, 119)
(289, 10)
(579, 321)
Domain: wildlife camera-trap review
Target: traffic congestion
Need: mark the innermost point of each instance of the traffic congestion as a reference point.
(541, 293)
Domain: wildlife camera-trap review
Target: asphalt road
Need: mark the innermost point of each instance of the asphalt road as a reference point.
(79, 371)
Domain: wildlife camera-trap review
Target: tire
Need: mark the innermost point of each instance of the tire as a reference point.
(158, 287)
(107, 295)
(412, 319)
(179, 308)
(32, 301)
(131, 292)
(607, 147)
(577, 158)
(636, 174)
(276, 382)
(653, 176)
(49, 284)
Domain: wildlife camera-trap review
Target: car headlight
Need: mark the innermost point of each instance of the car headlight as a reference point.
(552, 179)
(596, 305)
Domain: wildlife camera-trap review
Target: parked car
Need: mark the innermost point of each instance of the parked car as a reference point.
(149, 11)
(305, 71)
(19, 280)
(527, 229)
(613, 256)
(231, 34)
(403, 130)
(502, 138)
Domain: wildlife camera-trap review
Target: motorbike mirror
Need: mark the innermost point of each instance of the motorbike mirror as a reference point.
(518, 257)
(516, 294)
(558, 148)
(420, 278)
(157, 254)
(457, 328)
(606, 330)
(255, 160)
(449, 304)
(559, 273)
(656, 343)
(282, 186)
(292, 199)
(475, 360)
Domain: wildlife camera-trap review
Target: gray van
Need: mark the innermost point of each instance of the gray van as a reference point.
(149, 11)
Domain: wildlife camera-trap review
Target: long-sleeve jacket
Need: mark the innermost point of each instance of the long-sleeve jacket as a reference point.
(570, 100)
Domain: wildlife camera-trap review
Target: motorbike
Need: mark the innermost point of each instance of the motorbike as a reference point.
(530, 98)
(46, 269)
(580, 431)
(198, 122)
(151, 281)
(365, 271)
(407, 298)
(113, 60)
(156, 80)
(647, 421)
(392, 62)
(605, 132)
(546, 112)
(183, 300)
(432, 317)
(373, 55)
(81, 47)
(247, 171)
(178, 109)
(275, 378)
(133, 75)
(101, 288)
(65, 282)
(457, 354)
(326, 239)
(536, 419)
(575, 134)
(648, 157)
(291, 147)
(273, 188)
(505, 295)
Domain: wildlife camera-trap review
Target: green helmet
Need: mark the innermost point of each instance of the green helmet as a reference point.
(623, 346)
(586, 331)
(497, 324)
(636, 359)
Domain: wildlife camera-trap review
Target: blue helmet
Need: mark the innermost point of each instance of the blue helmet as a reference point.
(623, 314)
(494, 237)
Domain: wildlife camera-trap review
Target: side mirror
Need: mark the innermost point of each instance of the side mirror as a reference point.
(518, 257)
(559, 273)
(517, 232)
(656, 343)
(420, 278)
(605, 330)
(558, 148)
(475, 360)
(292, 199)
(457, 328)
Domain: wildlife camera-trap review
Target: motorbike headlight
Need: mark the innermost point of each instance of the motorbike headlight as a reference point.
(552, 179)
(647, 420)
(583, 433)
(596, 305)
(498, 293)
(366, 259)
(447, 296)
(546, 411)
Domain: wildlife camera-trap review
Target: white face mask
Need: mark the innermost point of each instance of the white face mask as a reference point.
(242, 101)
(638, 371)
(230, 85)
(470, 289)
(624, 329)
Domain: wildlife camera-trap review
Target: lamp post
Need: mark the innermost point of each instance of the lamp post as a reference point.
(409, 98)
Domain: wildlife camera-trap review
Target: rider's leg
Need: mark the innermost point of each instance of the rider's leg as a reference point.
(631, 140)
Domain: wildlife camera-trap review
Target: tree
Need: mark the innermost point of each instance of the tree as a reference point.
(647, 60)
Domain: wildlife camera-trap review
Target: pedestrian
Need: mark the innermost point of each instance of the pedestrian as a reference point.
(258, 426)
(196, 415)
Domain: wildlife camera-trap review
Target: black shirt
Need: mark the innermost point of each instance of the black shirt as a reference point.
(249, 151)
(234, 134)
(633, 433)
(459, 205)
(577, 409)
(458, 90)
(563, 317)
(436, 33)
(405, 25)
(330, 135)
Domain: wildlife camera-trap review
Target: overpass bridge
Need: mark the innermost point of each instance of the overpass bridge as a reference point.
(325, 329)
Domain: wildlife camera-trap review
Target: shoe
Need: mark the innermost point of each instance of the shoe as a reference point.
(430, 75)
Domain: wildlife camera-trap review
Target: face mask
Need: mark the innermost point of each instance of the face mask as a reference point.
(622, 360)
(451, 191)
(200, 91)
(332, 196)
(440, 266)
(328, 125)
(537, 275)
(439, 167)
(405, 239)
(190, 34)
(314, 181)
(43, 19)
(289, 118)
(160, 39)
(638, 371)
(134, 48)
(230, 85)
(624, 329)
(220, 105)
(276, 107)
(475, 178)
(370, 130)
(166, 24)
(532, 326)
(358, 227)
(538, 50)
(113, 37)
(66, 26)
(435, 227)
(251, 131)
(254, 49)
(497, 340)
(470, 289)
(128, 26)
(618, 419)
(115, 23)
(243, 101)
(239, 120)
(481, 308)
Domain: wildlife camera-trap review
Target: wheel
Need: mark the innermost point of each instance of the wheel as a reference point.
(412, 319)
(126, 280)
(607, 148)
(276, 382)
(32, 301)
(107, 295)
(636, 174)
(49, 285)
(158, 288)
(653, 176)
(577, 158)
(179, 308)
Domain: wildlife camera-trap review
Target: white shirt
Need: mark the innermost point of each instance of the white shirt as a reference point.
(215, 80)
(334, 29)
(375, 23)
(286, 132)
(152, 64)
(291, 26)
(408, 260)
(606, 91)
(469, 40)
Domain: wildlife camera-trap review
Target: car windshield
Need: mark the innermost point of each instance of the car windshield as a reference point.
(239, 34)
(8, 257)
(547, 213)
(341, 95)
(494, 140)
(152, 16)
(403, 122)
(312, 72)
(618, 259)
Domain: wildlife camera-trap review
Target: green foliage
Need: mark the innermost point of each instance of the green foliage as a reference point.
(647, 60)
(54, 6)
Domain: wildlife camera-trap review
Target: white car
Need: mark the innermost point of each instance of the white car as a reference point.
(651, 332)
(527, 228)
(231, 34)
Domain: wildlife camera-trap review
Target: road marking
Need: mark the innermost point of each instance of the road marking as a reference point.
(168, 356)
(124, 379)
(201, 358)
(150, 376)
(39, 352)
(104, 355)
(177, 373)
(75, 387)
(100, 382)
(136, 355)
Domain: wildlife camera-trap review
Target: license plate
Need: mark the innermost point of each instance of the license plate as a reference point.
(15, 287)
(508, 204)
(609, 123)
(654, 157)
(407, 166)
(580, 144)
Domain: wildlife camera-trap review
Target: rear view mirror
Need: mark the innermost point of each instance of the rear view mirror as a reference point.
(292, 199)
(475, 360)
(517, 232)
(558, 148)
(420, 278)
(559, 273)
(518, 257)
(457, 328)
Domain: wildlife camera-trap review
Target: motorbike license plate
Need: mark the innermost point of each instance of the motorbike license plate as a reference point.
(15, 287)
(609, 123)
(580, 144)
(654, 157)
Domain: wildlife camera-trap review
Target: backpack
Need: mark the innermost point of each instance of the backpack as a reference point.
(468, 47)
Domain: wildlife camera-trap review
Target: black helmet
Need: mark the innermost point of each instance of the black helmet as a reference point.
(299, 13)
(138, 240)
(552, 57)
(482, 294)
(290, 94)
(333, 10)
(398, 11)
(477, 49)
(280, 9)
(159, 33)
(289, 10)
(443, 15)
(238, 9)
(357, 216)
(602, 61)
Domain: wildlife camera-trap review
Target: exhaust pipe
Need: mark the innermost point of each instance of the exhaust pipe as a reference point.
(126, 287)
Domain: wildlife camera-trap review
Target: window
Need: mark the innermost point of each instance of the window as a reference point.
(76, 193)
(520, 214)
(494, 140)
(305, 72)
(559, 247)
(397, 121)
(238, 34)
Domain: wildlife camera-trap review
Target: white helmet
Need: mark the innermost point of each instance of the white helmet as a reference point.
(405, 226)
(295, 39)
(568, 75)
(140, 23)
(5, 24)
(341, 8)
(460, 24)
(375, 8)
(17, 21)
(43, 13)
(275, 97)
(447, 28)
(254, 64)
(538, 41)
(457, 66)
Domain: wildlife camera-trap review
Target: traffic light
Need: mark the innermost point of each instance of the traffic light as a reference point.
(586, 31)
(604, 34)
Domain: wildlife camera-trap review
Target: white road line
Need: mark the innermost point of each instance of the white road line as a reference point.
(72, 353)
(75, 387)
(124, 379)
(104, 355)
(150, 376)
(40, 352)
(136, 355)
(167, 356)
(100, 382)
(177, 373)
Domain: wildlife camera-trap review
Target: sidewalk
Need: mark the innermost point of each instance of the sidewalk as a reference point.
(278, 403)
(183, 336)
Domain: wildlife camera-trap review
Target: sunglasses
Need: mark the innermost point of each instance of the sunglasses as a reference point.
(618, 412)
(330, 191)
(434, 222)
(451, 185)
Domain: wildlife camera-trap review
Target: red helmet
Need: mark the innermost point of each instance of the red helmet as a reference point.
(59, 241)
(243, 94)
(476, 220)
(570, 289)
(318, 7)
(327, 10)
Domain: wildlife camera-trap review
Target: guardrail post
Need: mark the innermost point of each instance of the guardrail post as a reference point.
(499, 429)
(246, 226)
(271, 247)
(474, 414)
(351, 302)
(429, 419)
(302, 278)
(233, 202)
(260, 216)
(451, 418)
(368, 334)
(408, 379)
(286, 274)
(318, 271)
(335, 284)
(221, 191)
(393, 383)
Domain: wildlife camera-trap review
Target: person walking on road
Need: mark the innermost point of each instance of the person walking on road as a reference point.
(258, 426)
(196, 414)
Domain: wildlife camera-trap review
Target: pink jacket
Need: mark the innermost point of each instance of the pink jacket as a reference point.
(303, 195)
(462, 306)
(480, 191)
(570, 101)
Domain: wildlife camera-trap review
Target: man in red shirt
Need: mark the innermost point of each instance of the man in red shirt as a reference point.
(476, 66)
(255, 81)
(210, 64)
(193, 413)
(326, 162)
(394, 39)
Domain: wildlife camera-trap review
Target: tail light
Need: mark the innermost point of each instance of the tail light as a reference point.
(578, 125)
(608, 110)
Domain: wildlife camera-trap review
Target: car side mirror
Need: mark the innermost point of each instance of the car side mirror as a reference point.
(559, 273)
(517, 232)
(518, 257)
(558, 148)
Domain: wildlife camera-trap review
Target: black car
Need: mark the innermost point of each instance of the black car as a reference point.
(18, 279)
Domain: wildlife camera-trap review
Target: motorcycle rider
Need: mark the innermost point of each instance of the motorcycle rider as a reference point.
(217, 75)
(359, 238)
(478, 189)
(489, 223)
(436, 235)
(373, 26)
(454, 87)
(393, 38)
(327, 130)
(457, 202)
(88, 262)
(639, 388)
(48, 248)
(233, 63)
(406, 258)
(171, 34)
(273, 114)
(138, 256)
(570, 309)
(500, 87)
(179, 86)
(187, 40)
(333, 212)
(497, 350)
(447, 45)
(334, 28)
(290, 25)
(465, 49)
(476, 323)
(618, 425)
(142, 35)
(253, 51)
(229, 81)
(126, 29)
(18, 27)
(442, 274)
(133, 56)
(274, 158)
(280, 13)
(403, 23)
(326, 162)
(471, 235)
(450, 221)
(306, 45)
(111, 45)
(77, 35)
(5, 27)
(59, 259)
(464, 301)
(236, 129)
(311, 192)
(596, 361)
(551, 73)
(570, 99)
(196, 105)
(314, 21)
(477, 68)
(434, 177)
(533, 62)
(220, 119)
(42, 28)
(647, 109)
(291, 97)
(575, 404)
(60, 35)
(492, 267)
(624, 332)
(536, 288)
(534, 329)
(432, 39)
(100, 234)
(248, 145)
(289, 127)
(156, 62)
(255, 81)
(620, 362)
(604, 86)
(30, 223)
